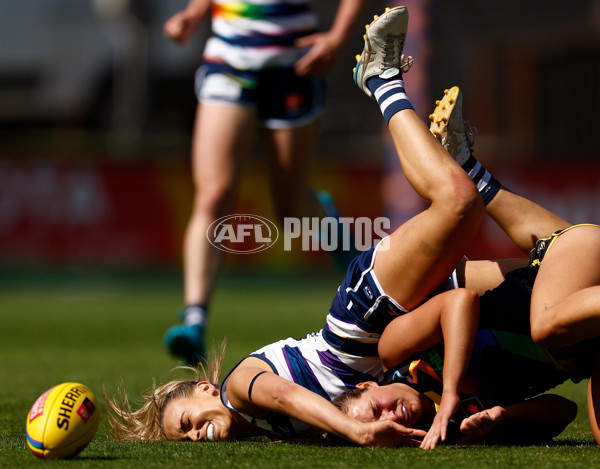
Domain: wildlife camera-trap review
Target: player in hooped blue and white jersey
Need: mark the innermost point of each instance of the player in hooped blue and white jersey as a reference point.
(503, 374)
(402, 267)
(261, 79)
(286, 387)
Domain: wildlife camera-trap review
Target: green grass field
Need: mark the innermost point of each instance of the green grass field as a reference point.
(104, 330)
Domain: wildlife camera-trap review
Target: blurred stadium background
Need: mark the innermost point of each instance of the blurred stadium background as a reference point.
(96, 111)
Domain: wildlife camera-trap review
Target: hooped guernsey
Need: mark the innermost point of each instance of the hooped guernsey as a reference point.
(339, 356)
(257, 34)
(506, 365)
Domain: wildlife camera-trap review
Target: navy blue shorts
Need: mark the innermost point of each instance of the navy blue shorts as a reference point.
(282, 99)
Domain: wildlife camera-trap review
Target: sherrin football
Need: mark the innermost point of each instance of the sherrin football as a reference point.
(62, 421)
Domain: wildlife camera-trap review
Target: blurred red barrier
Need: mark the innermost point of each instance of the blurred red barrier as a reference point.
(135, 213)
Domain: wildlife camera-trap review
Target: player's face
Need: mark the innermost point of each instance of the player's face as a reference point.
(397, 402)
(199, 417)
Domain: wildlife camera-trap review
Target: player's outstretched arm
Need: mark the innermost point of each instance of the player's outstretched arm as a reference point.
(271, 393)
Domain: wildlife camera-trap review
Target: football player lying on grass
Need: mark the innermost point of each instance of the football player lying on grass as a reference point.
(490, 394)
(299, 378)
(255, 401)
(496, 396)
(483, 392)
(506, 369)
(565, 302)
(270, 391)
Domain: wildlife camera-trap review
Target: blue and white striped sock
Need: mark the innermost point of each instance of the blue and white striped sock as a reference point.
(487, 185)
(390, 95)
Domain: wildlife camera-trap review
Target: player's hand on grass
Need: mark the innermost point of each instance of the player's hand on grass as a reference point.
(438, 432)
(389, 433)
(482, 423)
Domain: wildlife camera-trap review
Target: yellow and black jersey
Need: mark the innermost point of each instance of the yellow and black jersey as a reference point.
(506, 365)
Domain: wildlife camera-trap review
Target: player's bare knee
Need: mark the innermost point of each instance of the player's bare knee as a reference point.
(213, 199)
(460, 189)
(467, 297)
(463, 203)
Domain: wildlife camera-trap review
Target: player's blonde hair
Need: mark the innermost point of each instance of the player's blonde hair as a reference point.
(146, 423)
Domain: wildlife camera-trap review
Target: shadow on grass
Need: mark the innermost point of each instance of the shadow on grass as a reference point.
(572, 442)
(550, 444)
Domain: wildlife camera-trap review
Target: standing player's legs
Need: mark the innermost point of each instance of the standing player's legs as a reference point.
(565, 303)
(289, 155)
(289, 109)
(223, 138)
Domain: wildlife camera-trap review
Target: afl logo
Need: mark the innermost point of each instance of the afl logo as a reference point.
(242, 234)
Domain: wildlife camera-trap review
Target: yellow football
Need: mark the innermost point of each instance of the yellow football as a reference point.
(62, 421)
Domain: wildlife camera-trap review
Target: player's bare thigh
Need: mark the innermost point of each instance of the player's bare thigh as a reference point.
(571, 264)
(223, 137)
(416, 260)
(483, 275)
(289, 154)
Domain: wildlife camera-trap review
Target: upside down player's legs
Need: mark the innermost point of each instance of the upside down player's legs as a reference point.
(424, 251)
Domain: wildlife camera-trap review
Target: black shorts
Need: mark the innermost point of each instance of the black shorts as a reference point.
(542, 246)
(508, 308)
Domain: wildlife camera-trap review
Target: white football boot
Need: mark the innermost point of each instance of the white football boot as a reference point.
(382, 54)
(448, 126)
